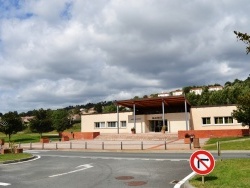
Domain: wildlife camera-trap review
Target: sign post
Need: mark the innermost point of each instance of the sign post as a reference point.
(202, 162)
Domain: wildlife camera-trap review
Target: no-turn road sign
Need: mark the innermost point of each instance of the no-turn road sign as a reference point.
(202, 162)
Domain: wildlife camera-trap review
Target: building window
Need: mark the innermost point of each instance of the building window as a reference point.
(223, 120)
(112, 124)
(206, 121)
(218, 120)
(228, 120)
(99, 124)
(123, 124)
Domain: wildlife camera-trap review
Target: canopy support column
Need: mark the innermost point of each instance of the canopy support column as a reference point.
(134, 115)
(187, 127)
(117, 109)
(163, 113)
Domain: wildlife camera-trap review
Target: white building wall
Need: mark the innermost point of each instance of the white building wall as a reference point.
(176, 121)
(88, 123)
(212, 112)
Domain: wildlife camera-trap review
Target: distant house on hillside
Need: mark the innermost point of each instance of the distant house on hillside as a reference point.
(163, 94)
(215, 88)
(88, 111)
(196, 91)
(27, 119)
(177, 92)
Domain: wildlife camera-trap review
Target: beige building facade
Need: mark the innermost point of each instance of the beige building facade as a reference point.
(199, 118)
(107, 123)
(214, 118)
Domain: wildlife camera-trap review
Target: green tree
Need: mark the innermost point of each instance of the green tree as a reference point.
(60, 120)
(154, 95)
(186, 90)
(42, 122)
(11, 123)
(98, 107)
(242, 113)
(110, 108)
(193, 98)
(244, 37)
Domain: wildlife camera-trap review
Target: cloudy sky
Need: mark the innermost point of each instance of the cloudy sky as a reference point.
(56, 53)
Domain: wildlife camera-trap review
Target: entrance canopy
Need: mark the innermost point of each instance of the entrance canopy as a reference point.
(170, 101)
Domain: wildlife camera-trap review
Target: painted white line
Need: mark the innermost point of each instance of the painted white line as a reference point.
(180, 183)
(115, 158)
(87, 166)
(4, 184)
(35, 151)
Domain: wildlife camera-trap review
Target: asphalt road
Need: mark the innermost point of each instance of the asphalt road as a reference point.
(54, 169)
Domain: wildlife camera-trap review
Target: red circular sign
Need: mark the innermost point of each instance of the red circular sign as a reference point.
(202, 162)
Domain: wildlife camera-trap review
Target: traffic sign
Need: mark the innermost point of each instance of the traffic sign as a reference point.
(202, 162)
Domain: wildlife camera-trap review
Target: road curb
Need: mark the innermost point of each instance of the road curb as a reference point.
(19, 160)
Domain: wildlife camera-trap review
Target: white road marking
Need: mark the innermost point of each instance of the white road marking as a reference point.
(35, 151)
(87, 166)
(4, 184)
(115, 158)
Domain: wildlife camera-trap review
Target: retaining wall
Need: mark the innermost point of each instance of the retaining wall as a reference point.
(80, 135)
(215, 133)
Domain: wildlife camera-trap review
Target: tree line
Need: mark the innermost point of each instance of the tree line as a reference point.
(41, 121)
(228, 95)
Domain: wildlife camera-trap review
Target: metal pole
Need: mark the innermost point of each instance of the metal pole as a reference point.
(134, 114)
(121, 145)
(86, 145)
(141, 145)
(117, 108)
(165, 145)
(70, 145)
(56, 146)
(30, 145)
(42, 145)
(163, 112)
(102, 145)
(187, 128)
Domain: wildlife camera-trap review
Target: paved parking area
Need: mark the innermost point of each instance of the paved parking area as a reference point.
(116, 145)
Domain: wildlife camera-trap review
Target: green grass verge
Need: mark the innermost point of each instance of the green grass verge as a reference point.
(227, 173)
(27, 138)
(18, 156)
(23, 137)
(229, 143)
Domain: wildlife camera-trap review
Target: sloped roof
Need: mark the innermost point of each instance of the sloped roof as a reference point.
(154, 102)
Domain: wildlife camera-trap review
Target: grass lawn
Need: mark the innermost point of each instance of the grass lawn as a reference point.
(8, 157)
(227, 173)
(27, 138)
(242, 143)
(35, 137)
(230, 172)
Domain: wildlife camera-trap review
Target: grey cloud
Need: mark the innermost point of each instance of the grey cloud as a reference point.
(111, 50)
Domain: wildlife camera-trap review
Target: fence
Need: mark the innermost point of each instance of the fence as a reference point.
(108, 145)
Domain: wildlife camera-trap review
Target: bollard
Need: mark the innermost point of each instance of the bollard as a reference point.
(56, 146)
(42, 145)
(165, 145)
(121, 145)
(30, 145)
(70, 145)
(218, 148)
(141, 145)
(102, 145)
(86, 145)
